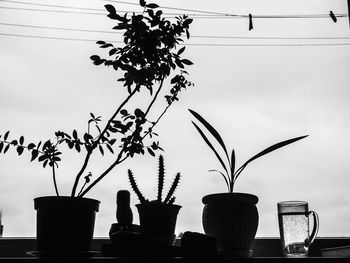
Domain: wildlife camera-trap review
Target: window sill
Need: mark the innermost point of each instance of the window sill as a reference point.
(265, 250)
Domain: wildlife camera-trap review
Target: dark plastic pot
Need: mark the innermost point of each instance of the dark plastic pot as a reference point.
(65, 223)
(157, 222)
(232, 218)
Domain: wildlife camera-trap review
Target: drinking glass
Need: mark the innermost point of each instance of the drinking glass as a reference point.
(293, 219)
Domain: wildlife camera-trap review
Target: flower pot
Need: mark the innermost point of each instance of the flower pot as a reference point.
(157, 223)
(65, 223)
(232, 218)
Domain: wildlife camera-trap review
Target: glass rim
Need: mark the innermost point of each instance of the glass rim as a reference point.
(292, 203)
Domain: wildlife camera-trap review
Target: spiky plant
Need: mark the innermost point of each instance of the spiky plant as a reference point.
(169, 199)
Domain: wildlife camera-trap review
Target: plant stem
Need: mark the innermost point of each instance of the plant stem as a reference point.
(155, 96)
(54, 179)
(86, 161)
(117, 161)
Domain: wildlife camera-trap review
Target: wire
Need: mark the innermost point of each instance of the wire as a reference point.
(219, 14)
(56, 6)
(60, 28)
(48, 10)
(193, 36)
(212, 15)
(194, 44)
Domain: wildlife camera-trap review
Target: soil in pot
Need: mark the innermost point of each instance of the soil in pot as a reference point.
(65, 223)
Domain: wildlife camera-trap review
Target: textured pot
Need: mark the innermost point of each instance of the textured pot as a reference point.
(65, 223)
(158, 222)
(232, 218)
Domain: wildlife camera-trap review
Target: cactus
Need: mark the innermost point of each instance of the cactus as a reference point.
(170, 198)
(161, 174)
(135, 188)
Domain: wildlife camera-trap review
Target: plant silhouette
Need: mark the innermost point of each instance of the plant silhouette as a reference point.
(148, 58)
(227, 162)
(169, 198)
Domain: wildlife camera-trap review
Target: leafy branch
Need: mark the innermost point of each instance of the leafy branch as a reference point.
(148, 57)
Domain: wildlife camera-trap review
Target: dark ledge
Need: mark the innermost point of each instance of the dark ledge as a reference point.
(265, 250)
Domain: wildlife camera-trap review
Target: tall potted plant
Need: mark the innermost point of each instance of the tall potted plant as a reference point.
(150, 60)
(158, 217)
(231, 217)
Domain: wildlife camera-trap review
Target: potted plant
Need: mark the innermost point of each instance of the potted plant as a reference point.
(151, 64)
(231, 217)
(157, 217)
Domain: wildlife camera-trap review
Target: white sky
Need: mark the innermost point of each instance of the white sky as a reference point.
(254, 95)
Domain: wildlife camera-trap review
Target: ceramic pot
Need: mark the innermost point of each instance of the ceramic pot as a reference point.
(232, 218)
(65, 223)
(157, 222)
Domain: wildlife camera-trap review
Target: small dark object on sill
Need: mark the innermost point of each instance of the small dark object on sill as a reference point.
(128, 243)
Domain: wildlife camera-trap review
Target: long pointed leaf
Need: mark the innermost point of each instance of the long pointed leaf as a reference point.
(211, 146)
(212, 130)
(233, 164)
(268, 150)
(223, 175)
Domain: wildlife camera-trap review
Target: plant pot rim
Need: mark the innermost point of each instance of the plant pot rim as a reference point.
(44, 201)
(230, 197)
(158, 204)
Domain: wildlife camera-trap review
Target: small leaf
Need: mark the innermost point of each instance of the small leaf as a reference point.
(21, 140)
(181, 50)
(152, 6)
(19, 150)
(77, 147)
(75, 134)
(42, 158)
(6, 135)
(45, 163)
(186, 62)
(110, 148)
(142, 3)
(95, 58)
(110, 9)
(101, 149)
(14, 142)
(31, 146)
(100, 43)
(151, 152)
(6, 148)
(1, 146)
(34, 155)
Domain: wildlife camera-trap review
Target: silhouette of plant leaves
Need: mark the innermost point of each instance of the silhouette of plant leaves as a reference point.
(210, 146)
(211, 129)
(268, 150)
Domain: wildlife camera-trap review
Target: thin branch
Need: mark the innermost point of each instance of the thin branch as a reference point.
(117, 161)
(54, 179)
(86, 161)
(155, 96)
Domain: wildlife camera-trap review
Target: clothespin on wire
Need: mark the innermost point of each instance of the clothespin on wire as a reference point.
(332, 15)
(251, 21)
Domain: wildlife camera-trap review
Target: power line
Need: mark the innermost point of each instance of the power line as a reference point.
(49, 10)
(189, 44)
(192, 36)
(220, 14)
(196, 13)
(60, 28)
(56, 6)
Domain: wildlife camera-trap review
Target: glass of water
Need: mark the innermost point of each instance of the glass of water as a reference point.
(293, 219)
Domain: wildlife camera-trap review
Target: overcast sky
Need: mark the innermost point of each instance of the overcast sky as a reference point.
(255, 91)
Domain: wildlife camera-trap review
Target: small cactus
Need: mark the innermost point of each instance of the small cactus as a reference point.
(170, 198)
